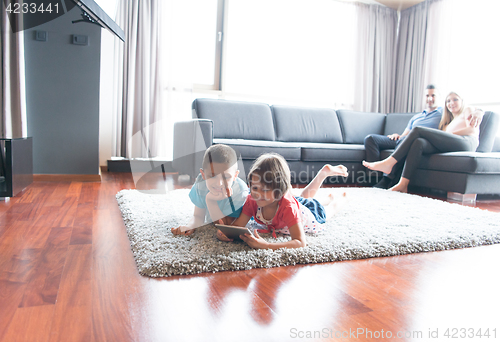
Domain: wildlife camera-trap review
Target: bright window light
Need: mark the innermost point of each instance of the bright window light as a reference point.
(108, 6)
(189, 42)
(468, 59)
(291, 49)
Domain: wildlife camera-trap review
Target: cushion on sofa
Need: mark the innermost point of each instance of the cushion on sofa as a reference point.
(251, 149)
(333, 153)
(496, 145)
(357, 125)
(235, 119)
(462, 162)
(488, 131)
(397, 122)
(306, 124)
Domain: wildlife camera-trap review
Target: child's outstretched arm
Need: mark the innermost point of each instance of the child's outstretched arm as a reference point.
(296, 232)
(196, 220)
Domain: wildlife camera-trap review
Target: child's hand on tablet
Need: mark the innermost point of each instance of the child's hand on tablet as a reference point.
(255, 241)
(222, 237)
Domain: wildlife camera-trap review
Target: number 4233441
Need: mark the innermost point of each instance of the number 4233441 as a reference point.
(18, 8)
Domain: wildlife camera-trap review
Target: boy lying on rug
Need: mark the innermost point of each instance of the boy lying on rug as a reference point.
(272, 204)
(218, 194)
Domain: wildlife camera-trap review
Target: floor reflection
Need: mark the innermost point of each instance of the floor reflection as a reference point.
(276, 297)
(451, 296)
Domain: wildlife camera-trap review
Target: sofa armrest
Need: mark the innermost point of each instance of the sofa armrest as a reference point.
(191, 139)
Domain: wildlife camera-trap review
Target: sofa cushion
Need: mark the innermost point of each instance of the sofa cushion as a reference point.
(397, 122)
(306, 124)
(332, 153)
(357, 125)
(235, 119)
(496, 145)
(385, 153)
(251, 149)
(463, 162)
(488, 131)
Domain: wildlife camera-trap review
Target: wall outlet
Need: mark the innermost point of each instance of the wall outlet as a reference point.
(80, 40)
(41, 36)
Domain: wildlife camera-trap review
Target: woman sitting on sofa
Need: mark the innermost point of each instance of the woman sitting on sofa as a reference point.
(455, 134)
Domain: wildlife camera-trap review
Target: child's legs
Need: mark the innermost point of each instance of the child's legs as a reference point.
(312, 188)
(335, 205)
(326, 171)
(313, 215)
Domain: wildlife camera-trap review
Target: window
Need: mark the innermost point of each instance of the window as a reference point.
(275, 51)
(292, 51)
(191, 55)
(467, 57)
(192, 43)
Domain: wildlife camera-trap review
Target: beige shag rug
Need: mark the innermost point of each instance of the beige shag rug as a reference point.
(374, 223)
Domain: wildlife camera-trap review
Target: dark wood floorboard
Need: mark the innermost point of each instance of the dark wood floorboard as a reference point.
(67, 274)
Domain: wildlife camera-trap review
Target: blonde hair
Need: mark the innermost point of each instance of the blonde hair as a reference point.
(272, 170)
(447, 116)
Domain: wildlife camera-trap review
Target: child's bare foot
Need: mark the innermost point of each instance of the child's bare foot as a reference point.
(339, 170)
(222, 237)
(328, 199)
(178, 231)
(336, 204)
(384, 166)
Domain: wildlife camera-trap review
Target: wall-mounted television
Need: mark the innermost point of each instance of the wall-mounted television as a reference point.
(93, 12)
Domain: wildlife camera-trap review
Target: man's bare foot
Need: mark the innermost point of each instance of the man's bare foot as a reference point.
(384, 166)
(402, 186)
(339, 170)
(399, 188)
(177, 231)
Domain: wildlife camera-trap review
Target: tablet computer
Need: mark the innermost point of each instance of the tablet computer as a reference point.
(233, 232)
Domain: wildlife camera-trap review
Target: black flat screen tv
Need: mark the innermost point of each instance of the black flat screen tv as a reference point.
(97, 14)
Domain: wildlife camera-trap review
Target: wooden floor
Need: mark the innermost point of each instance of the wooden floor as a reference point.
(67, 274)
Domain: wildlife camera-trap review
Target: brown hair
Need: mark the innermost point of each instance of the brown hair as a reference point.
(219, 153)
(273, 171)
(447, 116)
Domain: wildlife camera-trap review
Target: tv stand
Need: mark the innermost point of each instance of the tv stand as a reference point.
(16, 165)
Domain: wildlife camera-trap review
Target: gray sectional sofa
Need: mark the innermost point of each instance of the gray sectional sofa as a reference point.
(310, 137)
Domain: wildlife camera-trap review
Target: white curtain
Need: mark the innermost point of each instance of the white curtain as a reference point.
(13, 102)
(415, 42)
(462, 52)
(374, 89)
(137, 76)
(437, 51)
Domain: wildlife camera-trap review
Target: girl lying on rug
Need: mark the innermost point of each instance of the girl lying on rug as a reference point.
(272, 204)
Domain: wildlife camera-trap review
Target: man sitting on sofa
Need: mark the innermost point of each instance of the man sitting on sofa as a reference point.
(430, 117)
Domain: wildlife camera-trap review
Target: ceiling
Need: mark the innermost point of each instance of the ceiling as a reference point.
(399, 4)
(394, 4)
